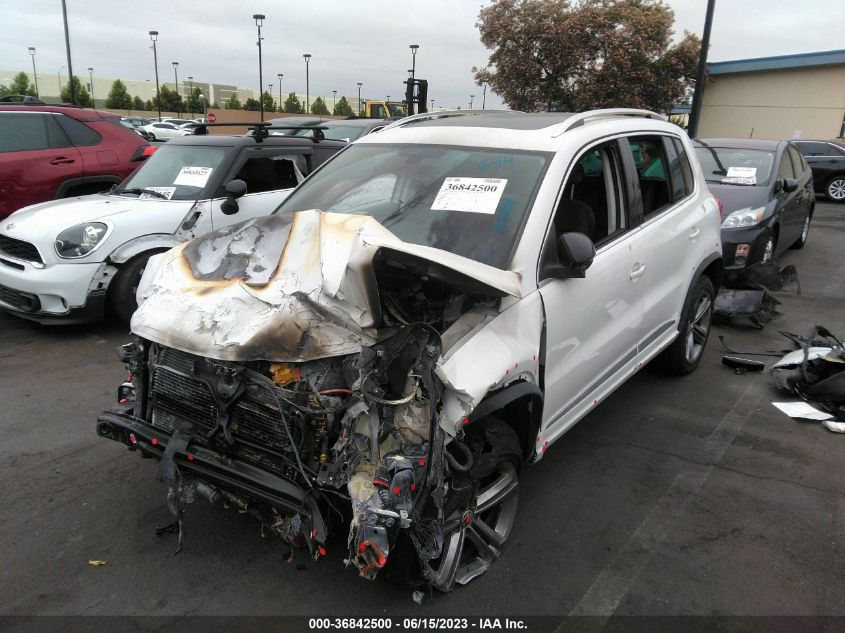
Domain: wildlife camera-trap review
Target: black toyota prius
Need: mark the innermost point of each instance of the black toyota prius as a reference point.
(766, 189)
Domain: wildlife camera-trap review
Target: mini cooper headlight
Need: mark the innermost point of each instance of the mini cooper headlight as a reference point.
(80, 240)
(744, 217)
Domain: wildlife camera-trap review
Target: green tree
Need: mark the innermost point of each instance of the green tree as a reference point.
(138, 104)
(82, 97)
(149, 106)
(118, 98)
(252, 105)
(171, 101)
(342, 108)
(269, 104)
(20, 85)
(214, 106)
(319, 106)
(573, 56)
(232, 103)
(192, 103)
(293, 105)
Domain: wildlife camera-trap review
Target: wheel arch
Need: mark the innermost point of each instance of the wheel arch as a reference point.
(136, 246)
(520, 406)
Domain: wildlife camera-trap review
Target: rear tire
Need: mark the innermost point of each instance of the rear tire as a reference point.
(685, 352)
(125, 285)
(805, 232)
(834, 190)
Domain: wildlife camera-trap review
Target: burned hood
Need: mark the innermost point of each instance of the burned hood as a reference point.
(287, 287)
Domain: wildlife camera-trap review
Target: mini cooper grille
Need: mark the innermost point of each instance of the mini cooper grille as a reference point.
(20, 249)
(182, 402)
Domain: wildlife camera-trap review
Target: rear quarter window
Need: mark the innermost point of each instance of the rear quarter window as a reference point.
(80, 134)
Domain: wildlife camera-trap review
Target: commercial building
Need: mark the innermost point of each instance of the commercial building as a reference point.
(783, 97)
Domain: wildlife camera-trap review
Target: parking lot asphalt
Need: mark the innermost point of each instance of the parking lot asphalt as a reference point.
(675, 496)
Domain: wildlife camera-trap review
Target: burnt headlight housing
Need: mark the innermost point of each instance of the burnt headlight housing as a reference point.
(80, 240)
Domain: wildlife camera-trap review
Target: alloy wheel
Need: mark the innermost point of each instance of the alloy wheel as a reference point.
(836, 189)
(699, 327)
(768, 251)
(805, 230)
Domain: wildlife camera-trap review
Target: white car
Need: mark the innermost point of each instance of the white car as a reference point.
(61, 261)
(435, 305)
(165, 131)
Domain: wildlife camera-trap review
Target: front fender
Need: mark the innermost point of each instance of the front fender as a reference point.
(138, 245)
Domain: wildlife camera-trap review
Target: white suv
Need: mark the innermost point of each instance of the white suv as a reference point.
(434, 306)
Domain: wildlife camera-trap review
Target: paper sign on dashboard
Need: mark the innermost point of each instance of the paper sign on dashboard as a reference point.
(193, 176)
(164, 191)
(473, 195)
(741, 175)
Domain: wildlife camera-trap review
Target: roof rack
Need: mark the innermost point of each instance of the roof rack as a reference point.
(22, 100)
(579, 119)
(444, 114)
(260, 130)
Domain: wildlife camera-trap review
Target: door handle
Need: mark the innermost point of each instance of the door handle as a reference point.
(636, 272)
(694, 233)
(61, 160)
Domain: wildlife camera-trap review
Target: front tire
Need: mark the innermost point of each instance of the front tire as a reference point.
(834, 190)
(475, 532)
(684, 354)
(805, 232)
(125, 285)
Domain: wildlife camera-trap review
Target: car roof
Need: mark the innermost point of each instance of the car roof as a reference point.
(739, 143)
(85, 114)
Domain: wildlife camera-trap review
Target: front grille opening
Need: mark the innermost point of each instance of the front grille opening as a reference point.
(19, 249)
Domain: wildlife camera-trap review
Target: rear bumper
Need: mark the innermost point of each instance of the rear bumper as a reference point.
(211, 467)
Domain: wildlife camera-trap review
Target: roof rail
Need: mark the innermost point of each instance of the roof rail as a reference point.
(443, 114)
(259, 130)
(579, 119)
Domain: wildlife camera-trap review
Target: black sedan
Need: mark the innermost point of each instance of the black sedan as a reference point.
(827, 160)
(766, 189)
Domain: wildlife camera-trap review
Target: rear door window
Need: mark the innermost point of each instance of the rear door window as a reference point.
(652, 172)
(686, 168)
(26, 131)
(676, 176)
(271, 172)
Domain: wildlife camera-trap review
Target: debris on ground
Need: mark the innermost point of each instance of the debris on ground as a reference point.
(742, 365)
(765, 277)
(802, 411)
(758, 306)
(96, 563)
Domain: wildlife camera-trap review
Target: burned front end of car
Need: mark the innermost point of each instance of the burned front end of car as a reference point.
(292, 369)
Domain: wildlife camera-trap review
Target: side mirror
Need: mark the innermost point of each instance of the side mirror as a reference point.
(790, 184)
(234, 190)
(576, 252)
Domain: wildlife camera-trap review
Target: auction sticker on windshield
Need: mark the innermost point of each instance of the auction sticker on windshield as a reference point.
(741, 176)
(474, 195)
(193, 176)
(164, 191)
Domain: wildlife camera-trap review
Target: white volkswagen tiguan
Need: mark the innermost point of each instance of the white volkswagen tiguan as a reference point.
(433, 307)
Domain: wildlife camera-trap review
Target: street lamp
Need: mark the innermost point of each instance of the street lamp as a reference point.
(176, 81)
(91, 78)
(359, 98)
(34, 75)
(307, 58)
(471, 97)
(269, 90)
(59, 75)
(154, 38)
(201, 99)
(280, 75)
(334, 100)
(259, 20)
(484, 95)
(411, 74)
(432, 105)
(191, 95)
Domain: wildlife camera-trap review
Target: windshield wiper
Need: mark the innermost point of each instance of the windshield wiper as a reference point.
(139, 191)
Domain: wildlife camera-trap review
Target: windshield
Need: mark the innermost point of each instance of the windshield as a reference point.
(468, 201)
(177, 172)
(735, 166)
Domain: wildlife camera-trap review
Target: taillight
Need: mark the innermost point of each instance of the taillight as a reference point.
(143, 152)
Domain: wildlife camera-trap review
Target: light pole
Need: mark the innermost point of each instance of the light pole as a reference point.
(484, 95)
(280, 75)
(471, 97)
(191, 95)
(413, 72)
(91, 79)
(201, 99)
(432, 105)
(307, 58)
(154, 38)
(34, 75)
(69, 64)
(270, 90)
(259, 20)
(359, 98)
(59, 75)
(176, 81)
(334, 100)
